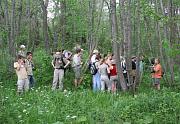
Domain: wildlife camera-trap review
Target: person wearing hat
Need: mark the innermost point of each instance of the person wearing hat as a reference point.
(22, 51)
(95, 61)
(23, 82)
(95, 53)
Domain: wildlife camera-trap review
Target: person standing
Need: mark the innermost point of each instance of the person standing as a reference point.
(76, 64)
(30, 67)
(113, 75)
(59, 63)
(96, 75)
(133, 73)
(157, 74)
(141, 67)
(23, 82)
(94, 70)
(104, 75)
(124, 70)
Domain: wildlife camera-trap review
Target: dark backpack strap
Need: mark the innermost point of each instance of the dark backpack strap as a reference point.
(63, 61)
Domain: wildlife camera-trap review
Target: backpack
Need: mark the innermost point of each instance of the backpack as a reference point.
(57, 58)
(93, 68)
(162, 72)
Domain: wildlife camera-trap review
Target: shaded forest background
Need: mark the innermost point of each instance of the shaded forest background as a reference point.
(126, 27)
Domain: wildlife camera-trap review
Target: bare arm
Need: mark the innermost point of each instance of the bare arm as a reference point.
(68, 62)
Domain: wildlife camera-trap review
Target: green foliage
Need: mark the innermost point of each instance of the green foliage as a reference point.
(172, 51)
(44, 70)
(42, 105)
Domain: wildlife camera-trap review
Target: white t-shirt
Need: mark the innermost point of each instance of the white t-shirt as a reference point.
(93, 58)
(76, 60)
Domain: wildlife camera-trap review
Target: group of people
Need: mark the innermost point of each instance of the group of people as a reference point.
(103, 69)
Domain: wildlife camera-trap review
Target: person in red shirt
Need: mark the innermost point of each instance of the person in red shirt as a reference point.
(113, 75)
(157, 73)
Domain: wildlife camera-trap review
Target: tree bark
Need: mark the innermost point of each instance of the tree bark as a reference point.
(19, 17)
(137, 81)
(12, 34)
(44, 5)
(28, 21)
(127, 41)
(91, 25)
(63, 21)
(8, 28)
(114, 34)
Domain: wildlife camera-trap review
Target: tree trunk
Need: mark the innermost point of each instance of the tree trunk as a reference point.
(171, 40)
(12, 34)
(8, 28)
(19, 17)
(63, 21)
(91, 25)
(127, 41)
(137, 81)
(114, 33)
(28, 21)
(44, 6)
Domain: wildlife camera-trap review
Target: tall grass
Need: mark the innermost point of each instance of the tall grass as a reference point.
(41, 105)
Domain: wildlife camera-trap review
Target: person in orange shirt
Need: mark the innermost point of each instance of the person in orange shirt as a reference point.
(157, 73)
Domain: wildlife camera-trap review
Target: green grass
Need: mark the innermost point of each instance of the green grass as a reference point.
(43, 106)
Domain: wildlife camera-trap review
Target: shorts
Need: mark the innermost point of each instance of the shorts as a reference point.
(113, 79)
(77, 71)
(133, 73)
(156, 81)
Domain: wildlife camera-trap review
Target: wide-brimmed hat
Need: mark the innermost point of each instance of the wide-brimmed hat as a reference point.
(133, 57)
(95, 51)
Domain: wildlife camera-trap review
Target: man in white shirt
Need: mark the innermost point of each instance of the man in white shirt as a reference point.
(77, 67)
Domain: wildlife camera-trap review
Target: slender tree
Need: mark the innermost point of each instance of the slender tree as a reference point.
(44, 5)
(114, 34)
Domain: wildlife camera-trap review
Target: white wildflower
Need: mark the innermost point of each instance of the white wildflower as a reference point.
(74, 117)
(68, 116)
(28, 104)
(24, 110)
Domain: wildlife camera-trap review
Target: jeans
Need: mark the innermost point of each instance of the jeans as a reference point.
(31, 81)
(96, 82)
